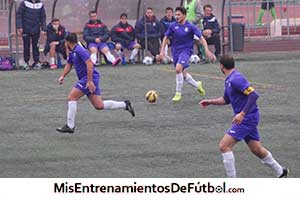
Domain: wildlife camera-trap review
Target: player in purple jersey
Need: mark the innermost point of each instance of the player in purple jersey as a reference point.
(88, 84)
(182, 33)
(242, 98)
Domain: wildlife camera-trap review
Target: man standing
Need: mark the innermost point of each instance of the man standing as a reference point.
(182, 32)
(31, 20)
(242, 98)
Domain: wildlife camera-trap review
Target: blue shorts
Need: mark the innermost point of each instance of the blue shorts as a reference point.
(182, 58)
(247, 130)
(129, 46)
(98, 46)
(81, 85)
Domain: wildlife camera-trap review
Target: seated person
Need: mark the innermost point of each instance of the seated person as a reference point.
(96, 34)
(166, 21)
(124, 37)
(154, 31)
(211, 29)
(55, 43)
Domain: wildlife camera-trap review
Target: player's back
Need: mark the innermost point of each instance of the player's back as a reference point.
(78, 57)
(236, 85)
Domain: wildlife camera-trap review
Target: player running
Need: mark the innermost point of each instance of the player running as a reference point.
(182, 33)
(88, 84)
(242, 98)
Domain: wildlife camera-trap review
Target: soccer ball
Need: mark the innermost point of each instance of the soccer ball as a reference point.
(151, 96)
(148, 61)
(194, 59)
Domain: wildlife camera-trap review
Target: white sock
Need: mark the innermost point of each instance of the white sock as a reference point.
(112, 105)
(272, 163)
(110, 57)
(72, 109)
(228, 160)
(179, 82)
(94, 58)
(166, 50)
(52, 60)
(189, 79)
(119, 53)
(133, 54)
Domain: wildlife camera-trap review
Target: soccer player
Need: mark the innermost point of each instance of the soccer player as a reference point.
(96, 34)
(242, 98)
(182, 33)
(88, 84)
(124, 37)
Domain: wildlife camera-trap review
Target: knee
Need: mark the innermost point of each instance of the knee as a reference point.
(224, 147)
(99, 106)
(137, 46)
(93, 50)
(118, 46)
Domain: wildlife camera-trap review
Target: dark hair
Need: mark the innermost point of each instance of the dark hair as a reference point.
(72, 38)
(55, 20)
(123, 15)
(181, 9)
(207, 6)
(169, 8)
(227, 61)
(92, 12)
(149, 8)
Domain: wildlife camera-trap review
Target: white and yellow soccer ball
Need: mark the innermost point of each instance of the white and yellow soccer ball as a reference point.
(194, 59)
(151, 96)
(148, 61)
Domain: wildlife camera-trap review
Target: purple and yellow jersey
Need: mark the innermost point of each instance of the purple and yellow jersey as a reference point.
(183, 35)
(237, 89)
(78, 57)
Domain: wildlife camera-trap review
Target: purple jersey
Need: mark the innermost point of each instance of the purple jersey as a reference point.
(182, 36)
(236, 85)
(77, 57)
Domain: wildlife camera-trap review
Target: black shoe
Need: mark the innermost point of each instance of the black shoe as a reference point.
(285, 173)
(129, 107)
(66, 129)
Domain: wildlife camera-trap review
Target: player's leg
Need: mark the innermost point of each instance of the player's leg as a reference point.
(94, 50)
(179, 82)
(105, 50)
(135, 47)
(226, 144)
(261, 13)
(267, 158)
(52, 54)
(99, 104)
(183, 60)
(73, 97)
(26, 53)
(35, 51)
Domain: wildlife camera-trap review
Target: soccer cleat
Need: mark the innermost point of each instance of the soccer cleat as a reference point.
(53, 66)
(117, 61)
(285, 173)
(177, 97)
(129, 107)
(201, 89)
(37, 66)
(66, 129)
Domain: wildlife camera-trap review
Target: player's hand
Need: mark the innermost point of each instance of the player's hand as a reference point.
(211, 56)
(162, 55)
(91, 86)
(61, 80)
(20, 31)
(238, 118)
(207, 33)
(97, 40)
(204, 103)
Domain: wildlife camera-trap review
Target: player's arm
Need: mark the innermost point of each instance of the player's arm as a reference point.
(207, 51)
(65, 72)
(251, 101)
(219, 102)
(163, 45)
(90, 84)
